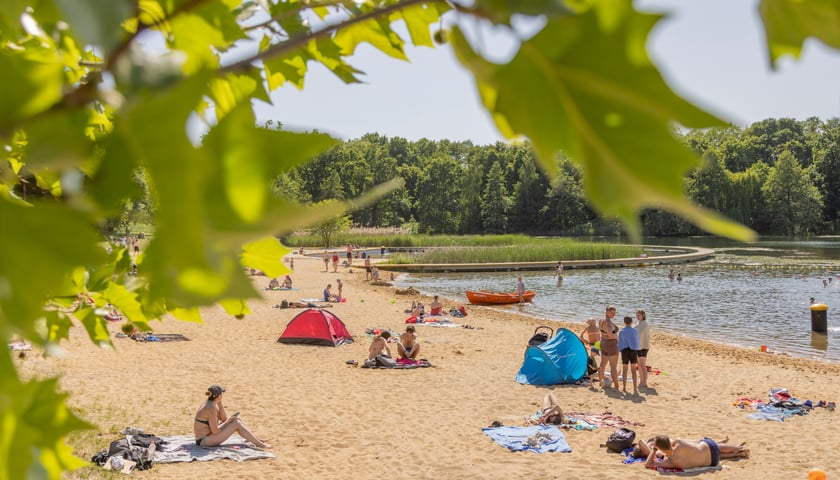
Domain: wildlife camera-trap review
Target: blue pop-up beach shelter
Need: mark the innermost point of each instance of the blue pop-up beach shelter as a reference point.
(561, 359)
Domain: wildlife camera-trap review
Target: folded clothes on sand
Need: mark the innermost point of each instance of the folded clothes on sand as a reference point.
(182, 448)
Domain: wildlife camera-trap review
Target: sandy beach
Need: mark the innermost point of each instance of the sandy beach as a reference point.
(328, 419)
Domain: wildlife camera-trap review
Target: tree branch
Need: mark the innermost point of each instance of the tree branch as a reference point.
(295, 11)
(298, 42)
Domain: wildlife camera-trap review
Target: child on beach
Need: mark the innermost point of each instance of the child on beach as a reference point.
(628, 345)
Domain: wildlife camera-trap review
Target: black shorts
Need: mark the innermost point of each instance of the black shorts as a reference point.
(628, 356)
(642, 352)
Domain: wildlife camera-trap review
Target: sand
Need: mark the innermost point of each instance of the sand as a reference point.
(330, 420)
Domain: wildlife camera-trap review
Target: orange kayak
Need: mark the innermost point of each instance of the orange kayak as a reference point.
(496, 298)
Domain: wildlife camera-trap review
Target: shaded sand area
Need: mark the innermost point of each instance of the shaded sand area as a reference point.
(330, 420)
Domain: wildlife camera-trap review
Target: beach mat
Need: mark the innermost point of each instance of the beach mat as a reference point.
(182, 448)
(537, 438)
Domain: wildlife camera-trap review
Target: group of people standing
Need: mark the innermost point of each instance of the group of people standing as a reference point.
(632, 343)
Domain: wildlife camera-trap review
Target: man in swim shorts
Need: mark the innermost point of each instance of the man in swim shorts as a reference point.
(679, 453)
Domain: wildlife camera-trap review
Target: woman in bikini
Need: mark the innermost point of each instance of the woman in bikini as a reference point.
(212, 426)
(609, 345)
(408, 346)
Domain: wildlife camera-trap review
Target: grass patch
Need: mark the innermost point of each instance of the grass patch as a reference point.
(536, 251)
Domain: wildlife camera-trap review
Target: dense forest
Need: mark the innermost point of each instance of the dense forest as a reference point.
(777, 176)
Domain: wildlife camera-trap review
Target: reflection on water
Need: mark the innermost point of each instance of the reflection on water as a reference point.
(746, 295)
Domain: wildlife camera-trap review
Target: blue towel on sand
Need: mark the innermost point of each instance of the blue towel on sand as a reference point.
(516, 438)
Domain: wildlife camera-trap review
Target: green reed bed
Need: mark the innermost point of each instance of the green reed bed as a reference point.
(535, 251)
(402, 239)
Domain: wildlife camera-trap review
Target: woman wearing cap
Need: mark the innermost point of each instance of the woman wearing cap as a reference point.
(213, 426)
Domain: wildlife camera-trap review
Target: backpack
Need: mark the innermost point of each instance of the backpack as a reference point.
(621, 439)
(284, 304)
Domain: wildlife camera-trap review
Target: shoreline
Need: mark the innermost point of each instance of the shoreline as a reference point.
(308, 402)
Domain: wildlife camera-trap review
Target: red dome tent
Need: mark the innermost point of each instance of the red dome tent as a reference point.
(316, 327)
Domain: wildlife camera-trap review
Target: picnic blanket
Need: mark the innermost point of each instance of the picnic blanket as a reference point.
(182, 448)
(536, 438)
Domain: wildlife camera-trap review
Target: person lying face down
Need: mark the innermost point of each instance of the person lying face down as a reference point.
(680, 453)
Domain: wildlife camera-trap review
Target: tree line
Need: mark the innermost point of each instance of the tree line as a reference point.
(776, 176)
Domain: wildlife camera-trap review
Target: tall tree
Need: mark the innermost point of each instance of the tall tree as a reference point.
(792, 201)
(437, 196)
(495, 201)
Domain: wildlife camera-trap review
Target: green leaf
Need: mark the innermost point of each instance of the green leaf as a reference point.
(236, 307)
(126, 301)
(248, 158)
(418, 19)
(788, 23)
(96, 326)
(500, 11)
(96, 22)
(376, 32)
(58, 326)
(266, 255)
(58, 140)
(48, 239)
(594, 95)
(35, 419)
(32, 81)
(232, 90)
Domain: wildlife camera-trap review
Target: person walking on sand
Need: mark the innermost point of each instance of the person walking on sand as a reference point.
(609, 345)
(628, 345)
(335, 261)
(520, 290)
(643, 327)
(326, 258)
(213, 425)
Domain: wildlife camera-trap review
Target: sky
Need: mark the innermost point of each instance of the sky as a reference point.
(710, 51)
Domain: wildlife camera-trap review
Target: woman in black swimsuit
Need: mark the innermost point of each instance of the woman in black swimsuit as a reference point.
(212, 425)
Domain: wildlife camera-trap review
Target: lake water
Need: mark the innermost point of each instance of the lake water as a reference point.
(748, 294)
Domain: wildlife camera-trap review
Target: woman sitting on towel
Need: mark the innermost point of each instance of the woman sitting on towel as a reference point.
(379, 345)
(408, 347)
(287, 282)
(550, 413)
(212, 425)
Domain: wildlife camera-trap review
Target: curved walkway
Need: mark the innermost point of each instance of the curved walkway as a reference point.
(681, 255)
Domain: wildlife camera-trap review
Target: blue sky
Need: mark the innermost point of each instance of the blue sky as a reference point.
(710, 51)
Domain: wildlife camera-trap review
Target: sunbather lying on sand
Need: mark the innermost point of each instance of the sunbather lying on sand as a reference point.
(550, 412)
(680, 453)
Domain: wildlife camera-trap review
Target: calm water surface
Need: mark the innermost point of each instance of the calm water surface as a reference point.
(748, 294)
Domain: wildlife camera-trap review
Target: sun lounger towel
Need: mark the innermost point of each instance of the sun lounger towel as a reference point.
(605, 419)
(537, 438)
(688, 472)
(182, 448)
(23, 346)
(401, 364)
(439, 324)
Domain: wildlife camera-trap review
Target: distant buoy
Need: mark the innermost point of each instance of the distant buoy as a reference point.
(816, 474)
(763, 348)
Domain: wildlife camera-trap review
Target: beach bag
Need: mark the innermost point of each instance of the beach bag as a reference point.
(621, 439)
(540, 337)
(384, 361)
(284, 304)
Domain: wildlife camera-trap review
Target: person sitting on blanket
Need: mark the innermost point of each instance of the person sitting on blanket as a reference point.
(379, 345)
(212, 426)
(680, 453)
(273, 284)
(287, 282)
(550, 413)
(408, 347)
(435, 308)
